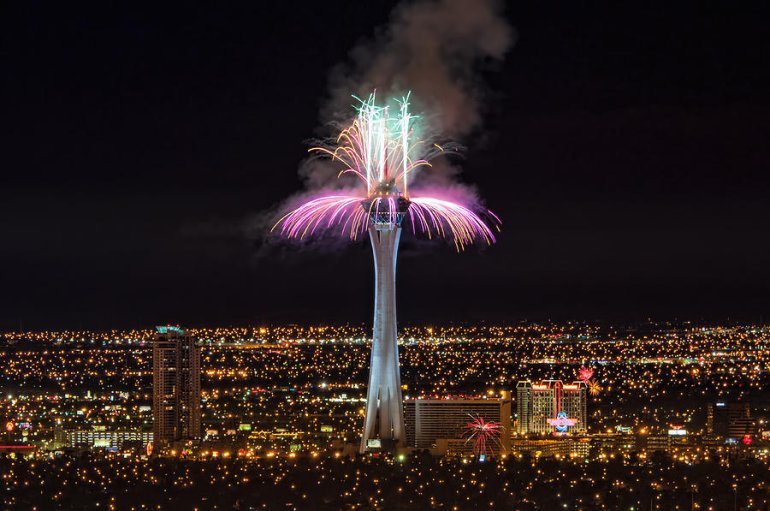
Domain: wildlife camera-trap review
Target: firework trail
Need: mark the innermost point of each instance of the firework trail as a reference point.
(481, 433)
(382, 149)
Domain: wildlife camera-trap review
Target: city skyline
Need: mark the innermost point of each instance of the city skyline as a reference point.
(678, 405)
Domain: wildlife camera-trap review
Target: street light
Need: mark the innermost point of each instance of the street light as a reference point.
(735, 496)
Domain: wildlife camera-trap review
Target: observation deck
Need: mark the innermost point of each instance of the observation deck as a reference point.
(386, 207)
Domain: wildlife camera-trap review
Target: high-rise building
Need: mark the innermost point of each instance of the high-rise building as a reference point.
(430, 420)
(551, 406)
(176, 386)
(729, 419)
(523, 406)
(574, 404)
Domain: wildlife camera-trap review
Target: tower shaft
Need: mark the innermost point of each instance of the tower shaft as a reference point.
(384, 405)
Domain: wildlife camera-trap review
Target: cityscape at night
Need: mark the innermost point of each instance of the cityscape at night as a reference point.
(378, 256)
(681, 413)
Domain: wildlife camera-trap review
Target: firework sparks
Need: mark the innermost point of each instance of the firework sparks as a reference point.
(383, 150)
(593, 387)
(481, 432)
(585, 373)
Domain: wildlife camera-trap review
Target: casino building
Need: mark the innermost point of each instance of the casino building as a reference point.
(551, 406)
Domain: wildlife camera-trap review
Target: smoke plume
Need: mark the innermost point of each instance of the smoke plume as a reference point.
(433, 48)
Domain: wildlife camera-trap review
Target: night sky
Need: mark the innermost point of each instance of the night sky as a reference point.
(625, 148)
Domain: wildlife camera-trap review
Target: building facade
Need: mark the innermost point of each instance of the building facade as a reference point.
(730, 419)
(176, 386)
(551, 406)
(574, 404)
(428, 421)
(90, 439)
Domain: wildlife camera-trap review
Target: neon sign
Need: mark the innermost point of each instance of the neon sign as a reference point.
(562, 422)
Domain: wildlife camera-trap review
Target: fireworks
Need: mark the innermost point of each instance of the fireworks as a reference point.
(585, 373)
(382, 149)
(481, 433)
(593, 387)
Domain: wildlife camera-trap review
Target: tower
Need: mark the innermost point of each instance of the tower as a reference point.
(524, 406)
(381, 149)
(176, 386)
(384, 419)
(573, 404)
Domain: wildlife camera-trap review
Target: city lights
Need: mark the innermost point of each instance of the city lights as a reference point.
(274, 398)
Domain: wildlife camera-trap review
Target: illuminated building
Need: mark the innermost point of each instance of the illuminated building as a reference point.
(551, 406)
(573, 447)
(107, 439)
(429, 421)
(573, 403)
(523, 406)
(732, 420)
(176, 386)
(654, 443)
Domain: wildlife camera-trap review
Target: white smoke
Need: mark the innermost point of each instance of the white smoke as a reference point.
(433, 48)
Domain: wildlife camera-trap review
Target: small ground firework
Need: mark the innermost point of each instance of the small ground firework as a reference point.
(593, 387)
(481, 433)
(585, 373)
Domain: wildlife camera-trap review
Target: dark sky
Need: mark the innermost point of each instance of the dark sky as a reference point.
(625, 147)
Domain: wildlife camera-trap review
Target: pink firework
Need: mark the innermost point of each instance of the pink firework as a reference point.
(382, 149)
(585, 373)
(481, 433)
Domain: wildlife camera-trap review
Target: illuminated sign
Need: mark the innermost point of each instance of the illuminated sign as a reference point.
(374, 443)
(9, 426)
(149, 449)
(169, 329)
(562, 422)
(244, 427)
(720, 404)
(677, 432)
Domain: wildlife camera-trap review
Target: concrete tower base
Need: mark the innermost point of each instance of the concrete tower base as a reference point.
(384, 405)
